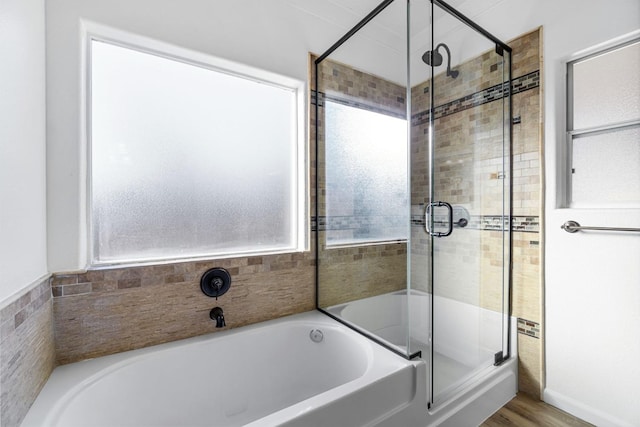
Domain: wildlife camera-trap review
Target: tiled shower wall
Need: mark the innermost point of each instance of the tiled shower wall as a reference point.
(27, 354)
(468, 110)
(469, 173)
(527, 195)
(353, 272)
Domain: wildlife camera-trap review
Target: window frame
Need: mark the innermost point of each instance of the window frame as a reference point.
(300, 192)
(571, 133)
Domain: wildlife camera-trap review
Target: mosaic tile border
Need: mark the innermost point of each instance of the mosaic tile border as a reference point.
(493, 93)
(519, 223)
(525, 224)
(529, 328)
(358, 222)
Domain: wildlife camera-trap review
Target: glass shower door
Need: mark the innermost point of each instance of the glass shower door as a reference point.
(467, 215)
(419, 263)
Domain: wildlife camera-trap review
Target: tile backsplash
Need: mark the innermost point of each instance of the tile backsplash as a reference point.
(100, 312)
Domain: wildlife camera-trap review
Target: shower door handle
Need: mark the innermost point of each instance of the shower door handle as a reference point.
(427, 222)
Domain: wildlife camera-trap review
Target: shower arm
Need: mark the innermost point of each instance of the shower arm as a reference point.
(448, 56)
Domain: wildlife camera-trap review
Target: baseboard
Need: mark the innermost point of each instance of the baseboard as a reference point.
(582, 411)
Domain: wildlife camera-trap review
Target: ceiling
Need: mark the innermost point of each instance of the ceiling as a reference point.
(380, 46)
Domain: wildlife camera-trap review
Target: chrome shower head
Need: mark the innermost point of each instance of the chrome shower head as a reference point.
(434, 58)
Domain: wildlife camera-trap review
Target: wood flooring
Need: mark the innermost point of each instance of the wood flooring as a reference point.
(525, 411)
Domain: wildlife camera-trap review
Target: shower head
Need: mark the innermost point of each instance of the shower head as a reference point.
(434, 59)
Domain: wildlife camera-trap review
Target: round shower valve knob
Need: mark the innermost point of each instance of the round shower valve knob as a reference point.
(215, 282)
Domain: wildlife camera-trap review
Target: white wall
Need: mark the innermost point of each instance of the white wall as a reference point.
(22, 145)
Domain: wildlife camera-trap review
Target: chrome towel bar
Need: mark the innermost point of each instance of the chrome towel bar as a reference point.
(574, 227)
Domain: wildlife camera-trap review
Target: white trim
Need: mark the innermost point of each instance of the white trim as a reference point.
(107, 265)
(362, 244)
(565, 153)
(92, 31)
(600, 47)
(585, 412)
(84, 147)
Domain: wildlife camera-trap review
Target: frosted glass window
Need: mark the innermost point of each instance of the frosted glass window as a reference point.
(607, 168)
(187, 161)
(366, 175)
(606, 88)
(603, 125)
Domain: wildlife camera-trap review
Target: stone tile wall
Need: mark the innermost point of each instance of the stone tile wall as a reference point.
(27, 353)
(348, 274)
(352, 272)
(528, 203)
(468, 172)
(107, 311)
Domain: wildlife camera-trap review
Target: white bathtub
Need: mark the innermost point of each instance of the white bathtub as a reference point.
(268, 374)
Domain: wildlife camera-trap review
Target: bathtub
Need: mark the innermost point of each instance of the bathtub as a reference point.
(269, 374)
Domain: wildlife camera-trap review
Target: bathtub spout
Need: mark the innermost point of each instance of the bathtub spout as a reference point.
(217, 315)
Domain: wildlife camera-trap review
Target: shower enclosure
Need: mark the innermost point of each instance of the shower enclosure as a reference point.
(413, 188)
